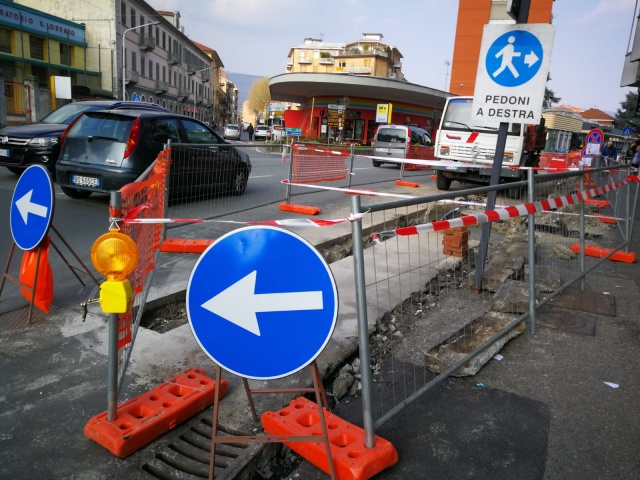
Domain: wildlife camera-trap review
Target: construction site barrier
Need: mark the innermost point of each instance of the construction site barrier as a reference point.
(144, 418)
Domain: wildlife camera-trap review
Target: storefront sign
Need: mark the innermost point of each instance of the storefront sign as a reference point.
(23, 19)
(383, 113)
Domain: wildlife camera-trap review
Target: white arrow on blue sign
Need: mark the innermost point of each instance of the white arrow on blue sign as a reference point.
(31, 207)
(262, 302)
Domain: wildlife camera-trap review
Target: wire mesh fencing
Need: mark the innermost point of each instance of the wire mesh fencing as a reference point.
(436, 313)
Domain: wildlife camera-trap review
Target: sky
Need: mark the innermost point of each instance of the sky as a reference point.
(254, 37)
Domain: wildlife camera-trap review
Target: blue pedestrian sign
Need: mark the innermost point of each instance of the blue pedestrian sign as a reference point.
(512, 73)
(262, 302)
(31, 207)
(136, 98)
(627, 131)
(514, 58)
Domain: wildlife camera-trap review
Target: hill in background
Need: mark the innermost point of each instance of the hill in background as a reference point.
(243, 82)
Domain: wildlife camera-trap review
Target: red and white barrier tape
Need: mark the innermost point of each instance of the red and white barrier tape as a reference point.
(505, 213)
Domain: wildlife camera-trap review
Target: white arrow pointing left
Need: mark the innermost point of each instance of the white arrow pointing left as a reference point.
(531, 59)
(26, 206)
(239, 303)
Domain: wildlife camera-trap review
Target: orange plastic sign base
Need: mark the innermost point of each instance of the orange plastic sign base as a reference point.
(600, 252)
(181, 245)
(144, 418)
(290, 207)
(351, 459)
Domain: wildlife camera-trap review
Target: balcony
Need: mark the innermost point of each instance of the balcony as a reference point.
(147, 42)
(131, 77)
(204, 76)
(327, 61)
(161, 87)
(192, 69)
(358, 70)
(305, 60)
(199, 98)
(173, 59)
(183, 94)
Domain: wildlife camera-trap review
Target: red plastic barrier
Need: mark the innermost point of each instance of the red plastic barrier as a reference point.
(144, 418)
(605, 219)
(351, 459)
(600, 252)
(304, 209)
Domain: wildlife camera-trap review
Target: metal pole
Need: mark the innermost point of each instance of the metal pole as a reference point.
(363, 328)
(582, 240)
(491, 203)
(532, 255)
(112, 369)
(352, 155)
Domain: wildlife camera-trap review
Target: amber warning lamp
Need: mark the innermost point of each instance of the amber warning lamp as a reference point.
(115, 256)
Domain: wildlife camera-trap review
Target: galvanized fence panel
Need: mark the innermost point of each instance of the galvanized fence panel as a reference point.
(432, 318)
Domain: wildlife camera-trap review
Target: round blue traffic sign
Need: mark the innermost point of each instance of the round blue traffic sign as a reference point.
(31, 207)
(262, 302)
(514, 58)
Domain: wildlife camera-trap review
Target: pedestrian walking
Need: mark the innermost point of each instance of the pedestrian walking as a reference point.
(609, 153)
(250, 131)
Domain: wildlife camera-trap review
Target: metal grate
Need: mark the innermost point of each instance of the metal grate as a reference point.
(185, 455)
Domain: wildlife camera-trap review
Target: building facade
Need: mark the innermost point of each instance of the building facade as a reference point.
(472, 17)
(142, 54)
(35, 46)
(369, 56)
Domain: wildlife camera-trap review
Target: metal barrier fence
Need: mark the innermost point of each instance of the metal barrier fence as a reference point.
(433, 319)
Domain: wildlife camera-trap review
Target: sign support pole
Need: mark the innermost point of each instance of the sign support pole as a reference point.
(491, 203)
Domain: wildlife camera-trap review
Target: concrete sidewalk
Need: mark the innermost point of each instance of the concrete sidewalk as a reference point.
(542, 412)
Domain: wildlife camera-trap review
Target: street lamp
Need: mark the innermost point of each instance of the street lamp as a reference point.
(446, 75)
(124, 63)
(195, 94)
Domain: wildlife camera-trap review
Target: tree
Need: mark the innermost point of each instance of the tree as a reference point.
(259, 96)
(549, 98)
(625, 115)
(549, 95)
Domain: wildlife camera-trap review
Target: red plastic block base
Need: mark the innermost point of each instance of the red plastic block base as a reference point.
(144, 418)
(605, 219)
(351, 459)
(402, 183)
(600, 252)
(181, 245)
(594, 202)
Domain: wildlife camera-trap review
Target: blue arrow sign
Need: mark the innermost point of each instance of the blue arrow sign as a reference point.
(262, 302)
(31, 207)
(514, 58)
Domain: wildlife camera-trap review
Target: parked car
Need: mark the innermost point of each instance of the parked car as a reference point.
(38, 143)
(400, 141)
(261, 132)
(105, 150)
(232, 131)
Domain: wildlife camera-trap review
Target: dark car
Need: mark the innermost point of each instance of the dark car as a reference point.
(104, 150)
(38, 143)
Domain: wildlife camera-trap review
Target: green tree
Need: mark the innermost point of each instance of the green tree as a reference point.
(259, 96)
(625, 115)
(549, 96)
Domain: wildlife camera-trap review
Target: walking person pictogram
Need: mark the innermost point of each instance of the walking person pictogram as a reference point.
(507, 53)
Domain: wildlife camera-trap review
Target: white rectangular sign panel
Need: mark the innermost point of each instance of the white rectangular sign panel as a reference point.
(512, 73)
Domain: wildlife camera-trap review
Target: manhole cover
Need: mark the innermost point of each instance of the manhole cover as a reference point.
(567, 320)
(587, 301)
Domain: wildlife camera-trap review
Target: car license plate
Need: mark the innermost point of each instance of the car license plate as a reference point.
(4, 152)
(85, 181)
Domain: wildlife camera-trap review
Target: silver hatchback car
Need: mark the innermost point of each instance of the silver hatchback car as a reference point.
(232, 131)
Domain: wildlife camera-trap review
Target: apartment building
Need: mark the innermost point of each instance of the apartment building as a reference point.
(142, 54)
(368, 56)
